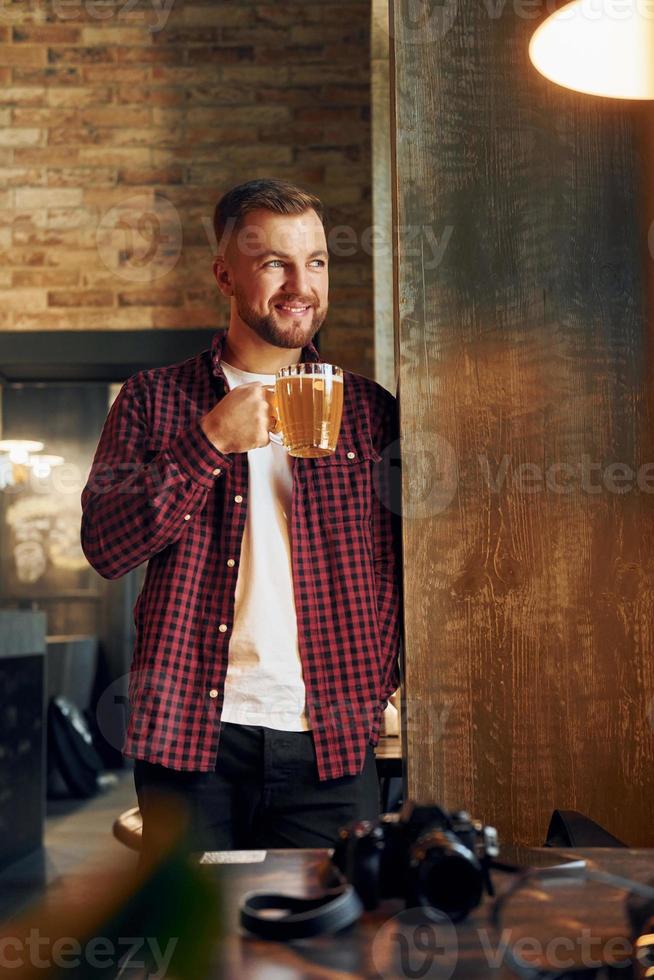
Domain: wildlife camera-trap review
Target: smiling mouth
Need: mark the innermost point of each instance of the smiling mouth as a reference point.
(292, 310)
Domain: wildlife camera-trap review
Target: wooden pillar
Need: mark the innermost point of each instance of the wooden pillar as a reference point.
(528, 489)
(382, 257)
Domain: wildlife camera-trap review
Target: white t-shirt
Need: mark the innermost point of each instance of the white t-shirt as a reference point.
(264, 684)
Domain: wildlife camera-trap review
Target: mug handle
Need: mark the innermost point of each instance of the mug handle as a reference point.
(271, 398)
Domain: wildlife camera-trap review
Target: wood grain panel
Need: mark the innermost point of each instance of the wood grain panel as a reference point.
(529, 565)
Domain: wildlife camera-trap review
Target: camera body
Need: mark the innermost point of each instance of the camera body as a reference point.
(423, 854)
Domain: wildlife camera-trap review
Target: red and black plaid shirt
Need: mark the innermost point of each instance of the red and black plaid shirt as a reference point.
(158, 490)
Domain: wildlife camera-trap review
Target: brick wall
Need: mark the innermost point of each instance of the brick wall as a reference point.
(120, 126)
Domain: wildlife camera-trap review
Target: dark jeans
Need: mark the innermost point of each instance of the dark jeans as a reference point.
(264, 793)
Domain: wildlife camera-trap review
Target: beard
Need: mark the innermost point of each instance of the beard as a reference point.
(294, 334)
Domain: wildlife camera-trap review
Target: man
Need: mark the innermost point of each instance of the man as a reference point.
(268, 626)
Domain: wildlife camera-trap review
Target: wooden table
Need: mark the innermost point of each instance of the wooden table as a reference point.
(371, 948)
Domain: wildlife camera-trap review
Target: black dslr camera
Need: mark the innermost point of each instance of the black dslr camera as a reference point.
(433, 859)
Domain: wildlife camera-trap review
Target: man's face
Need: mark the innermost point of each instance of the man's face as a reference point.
(277, 274)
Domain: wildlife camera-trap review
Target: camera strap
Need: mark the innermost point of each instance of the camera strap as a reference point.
(305, 917)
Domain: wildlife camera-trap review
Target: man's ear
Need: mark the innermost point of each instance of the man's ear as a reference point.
(222, 276)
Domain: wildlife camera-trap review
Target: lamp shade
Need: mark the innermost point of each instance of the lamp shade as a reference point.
(600, 47)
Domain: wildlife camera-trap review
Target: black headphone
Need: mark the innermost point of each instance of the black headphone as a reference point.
(305, 917)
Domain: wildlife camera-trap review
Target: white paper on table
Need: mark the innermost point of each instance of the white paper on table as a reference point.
(233, 857)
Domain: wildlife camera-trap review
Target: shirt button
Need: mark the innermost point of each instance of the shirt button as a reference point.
(222, 628)
(230, 562)
(216, 472)
(351, 455)
(213, 693)
(238, 498)
(187, 517)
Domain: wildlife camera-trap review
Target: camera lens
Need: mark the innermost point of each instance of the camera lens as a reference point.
(445, 875)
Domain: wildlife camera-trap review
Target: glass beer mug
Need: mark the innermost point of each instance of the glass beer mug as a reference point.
(307, 402)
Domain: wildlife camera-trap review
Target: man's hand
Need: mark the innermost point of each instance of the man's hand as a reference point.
(240, 421)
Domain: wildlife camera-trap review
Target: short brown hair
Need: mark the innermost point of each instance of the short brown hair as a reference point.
(268, 193)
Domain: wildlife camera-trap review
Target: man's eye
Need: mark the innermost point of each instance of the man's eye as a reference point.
(319, 262)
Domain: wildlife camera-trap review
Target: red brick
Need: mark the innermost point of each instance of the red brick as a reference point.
(182, 37)
(282, 15)
(149, 56)
(257, 35)
(72, 135)
(46, 34)
(339, 33)
(290, 135)
(305, 55)
(46, 155)
(81, 177)
(325, 114)
(252, 115)
(80, 297)
(221, 136)
(134, 156)
(114, 74)
(116, 34)
(22, 299)
(22, 55)
(22, 176)
(28, 96)
(219, 55)
(222, 15)
(87, 319)
(151, 296)
(43, 197)
(151, 176)
(45, 277)
(46, 76)
(20, 137)
(81, 56)
(83, 238)
(302, 95)
(79, 96)
(213, 94)
(346, 95)
(149, 95)
(247, 75)
(231, 156)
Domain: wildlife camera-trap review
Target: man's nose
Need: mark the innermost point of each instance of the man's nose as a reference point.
(297, 281)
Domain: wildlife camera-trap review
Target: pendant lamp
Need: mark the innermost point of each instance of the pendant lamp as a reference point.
(600, 47)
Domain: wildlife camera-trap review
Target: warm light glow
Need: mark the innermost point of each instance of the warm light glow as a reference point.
(42, 465)
(601, 47)
(19, 449)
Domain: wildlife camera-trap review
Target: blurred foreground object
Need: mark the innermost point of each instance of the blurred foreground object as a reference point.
(165, 916)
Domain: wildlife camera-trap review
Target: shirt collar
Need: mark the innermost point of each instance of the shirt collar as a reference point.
(309, 353)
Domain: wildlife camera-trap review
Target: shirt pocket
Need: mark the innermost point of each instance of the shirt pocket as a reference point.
(340, 486)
